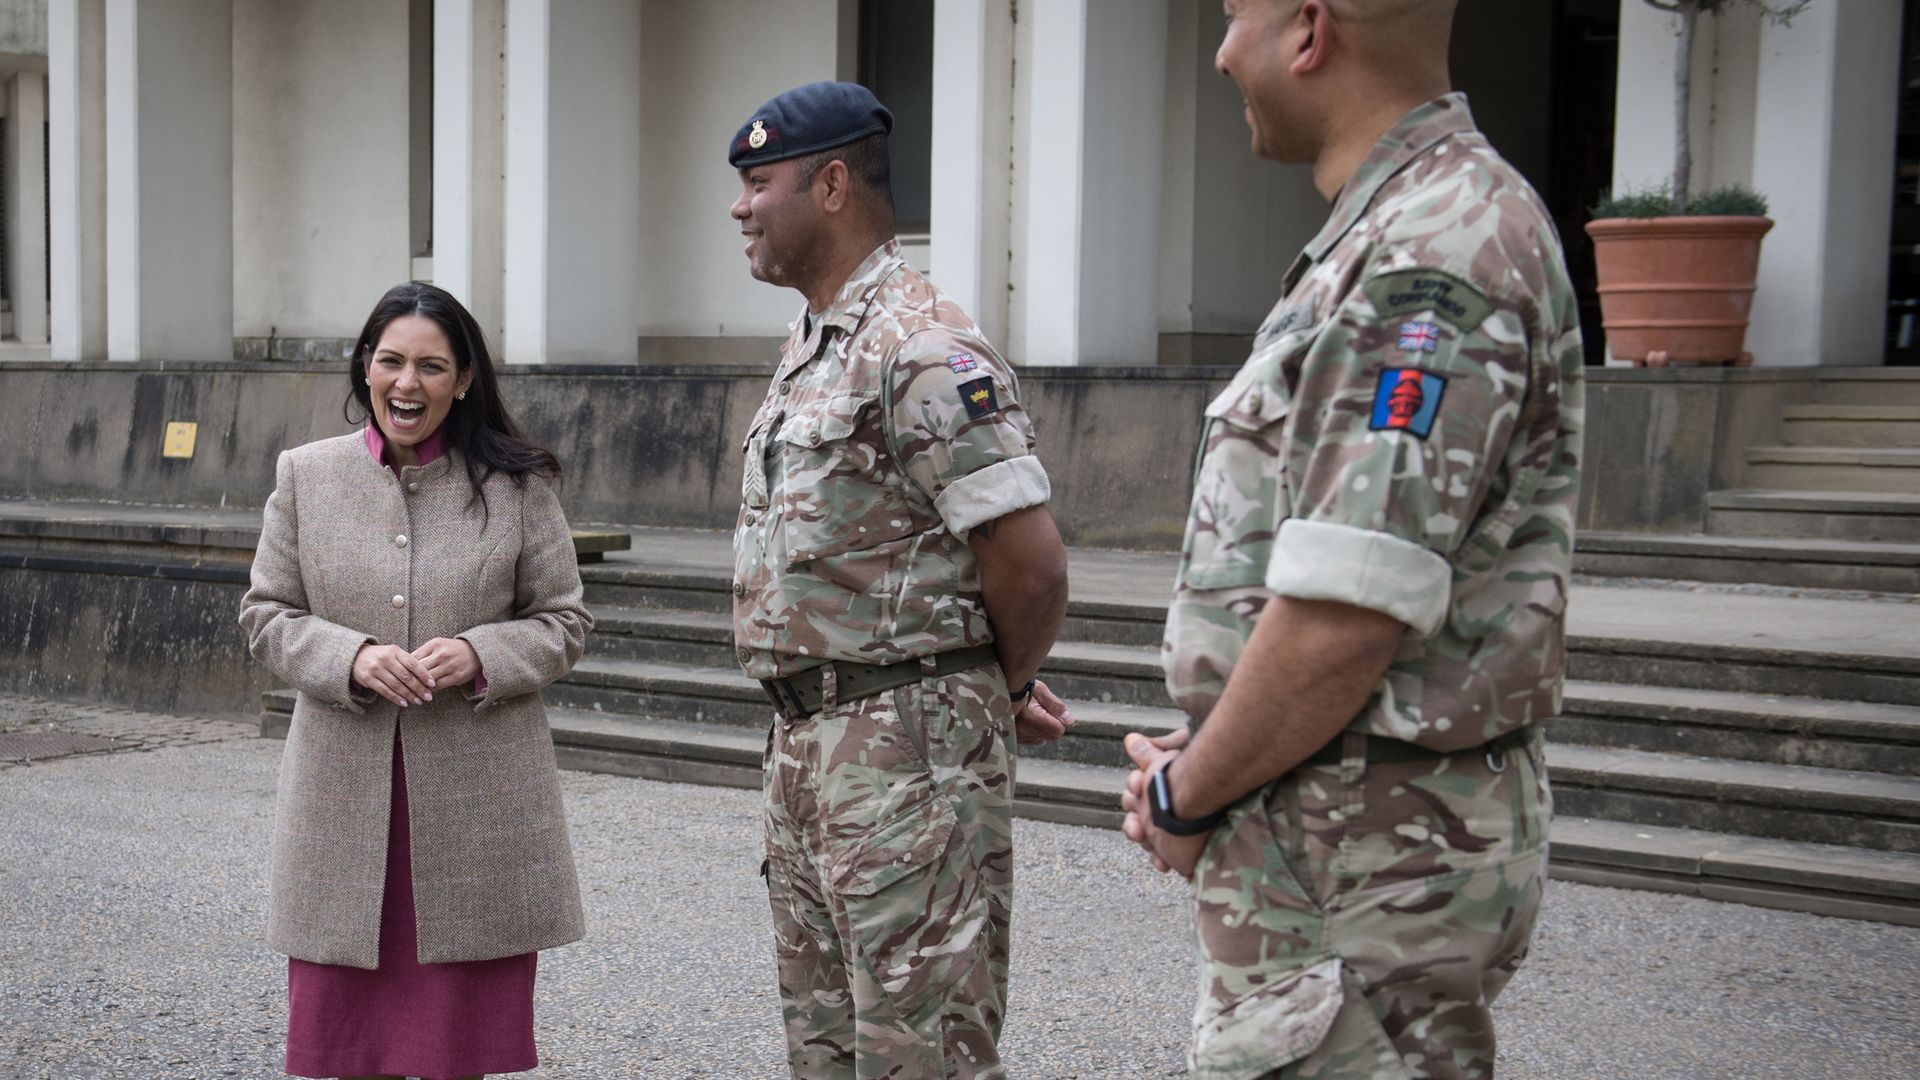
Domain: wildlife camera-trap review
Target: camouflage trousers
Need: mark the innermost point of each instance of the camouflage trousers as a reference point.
(889, 829)
(1356, 921)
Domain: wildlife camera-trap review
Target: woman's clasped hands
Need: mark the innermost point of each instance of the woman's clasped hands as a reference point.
(409, 678)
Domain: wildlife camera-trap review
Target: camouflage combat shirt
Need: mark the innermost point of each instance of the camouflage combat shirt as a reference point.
(891, 429)
(1405, 437)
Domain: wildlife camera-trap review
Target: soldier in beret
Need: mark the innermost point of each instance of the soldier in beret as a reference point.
(898, 581)
(1370, 612)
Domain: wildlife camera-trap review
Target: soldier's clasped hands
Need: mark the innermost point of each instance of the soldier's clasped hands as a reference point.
(1042, 718)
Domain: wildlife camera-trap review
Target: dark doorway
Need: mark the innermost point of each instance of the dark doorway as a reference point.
(1903, 275)
(1541, 81)
(896, 63)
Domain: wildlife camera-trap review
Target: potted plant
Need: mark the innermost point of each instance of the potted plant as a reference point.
(1676, 269)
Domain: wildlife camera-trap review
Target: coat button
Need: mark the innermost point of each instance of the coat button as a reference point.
(399, 601)
(739, 588)
(813, 438)
(753, 518)
(413, 487)
(746, 656)
(786, 388)
(400, 541)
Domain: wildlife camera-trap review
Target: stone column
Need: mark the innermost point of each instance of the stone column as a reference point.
(1823, 154)
(972, 114)
(467, 138)
(1803, 114)
(169, 125)
(77, 178)
(572, 210)
(1086, 267)
(26, 207)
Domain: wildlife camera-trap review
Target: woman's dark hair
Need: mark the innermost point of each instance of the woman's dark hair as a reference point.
(480, 426)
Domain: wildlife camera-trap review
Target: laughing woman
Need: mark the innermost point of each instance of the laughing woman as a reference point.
(416, 584)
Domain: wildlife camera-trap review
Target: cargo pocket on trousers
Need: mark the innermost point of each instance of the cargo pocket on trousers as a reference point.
(1275, 1025)
(906, 927)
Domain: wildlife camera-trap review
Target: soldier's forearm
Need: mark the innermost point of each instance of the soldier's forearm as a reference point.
(1308, 668)
(1023, 580)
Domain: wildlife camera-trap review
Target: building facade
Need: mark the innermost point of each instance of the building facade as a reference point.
(244, 177)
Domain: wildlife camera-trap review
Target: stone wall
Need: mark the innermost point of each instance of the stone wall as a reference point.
(120, 602)
(653, 446)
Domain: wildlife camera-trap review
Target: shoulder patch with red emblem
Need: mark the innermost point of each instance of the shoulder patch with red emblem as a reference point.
(1407, 399)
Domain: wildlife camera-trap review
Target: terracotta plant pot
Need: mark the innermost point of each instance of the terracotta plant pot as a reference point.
(1677, 289)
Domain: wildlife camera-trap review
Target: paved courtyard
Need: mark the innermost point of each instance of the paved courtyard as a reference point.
(133, 881)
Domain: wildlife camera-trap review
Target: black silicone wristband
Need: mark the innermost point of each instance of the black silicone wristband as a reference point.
(1026, 692)
(1160, 801)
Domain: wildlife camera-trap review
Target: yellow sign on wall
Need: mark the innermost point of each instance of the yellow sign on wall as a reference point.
(180, 438)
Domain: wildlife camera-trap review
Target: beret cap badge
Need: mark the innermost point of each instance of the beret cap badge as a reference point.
(806, 120)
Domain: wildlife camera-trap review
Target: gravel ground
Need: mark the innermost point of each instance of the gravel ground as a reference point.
(133, 886)
(1745, 588)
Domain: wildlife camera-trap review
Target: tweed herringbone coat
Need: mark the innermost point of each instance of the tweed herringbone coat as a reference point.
(349, 553)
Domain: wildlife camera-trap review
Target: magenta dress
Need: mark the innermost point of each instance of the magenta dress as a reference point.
(405, 1018)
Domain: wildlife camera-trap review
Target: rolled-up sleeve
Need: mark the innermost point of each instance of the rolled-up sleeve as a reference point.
(956, 425)
(1319, 560)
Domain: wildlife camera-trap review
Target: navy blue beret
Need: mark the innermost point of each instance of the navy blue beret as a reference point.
(806, 120)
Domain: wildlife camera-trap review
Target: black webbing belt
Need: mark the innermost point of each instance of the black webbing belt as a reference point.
(800, 696)
(1382, 750)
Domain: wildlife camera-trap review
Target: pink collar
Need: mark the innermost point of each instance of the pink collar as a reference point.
(431, 449)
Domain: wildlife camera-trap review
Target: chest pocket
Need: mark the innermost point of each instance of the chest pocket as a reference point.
(1239, 486)
(833, 495)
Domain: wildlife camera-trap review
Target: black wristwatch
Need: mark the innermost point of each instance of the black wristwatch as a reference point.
(1160, 799)
(1026, 691)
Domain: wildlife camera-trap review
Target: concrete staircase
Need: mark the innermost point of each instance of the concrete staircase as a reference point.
(1764, 749)
(1836, 505)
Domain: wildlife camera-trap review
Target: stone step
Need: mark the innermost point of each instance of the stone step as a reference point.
(632, 588)
(1094, 671)
(1792, 562)
(1850, 735)
(703, 638)
(1782, 729)
(638, 585)
(203, 532)
(1793, 875)
(1744, 798)
(1113, 690)
(1131, 675)
(683, 692)
(1787, 671)
(724, 697)
(1824, 879)
(1833, 468)
(1883, 517)
(1869, 386)
(1823, 424)
(1700, 637)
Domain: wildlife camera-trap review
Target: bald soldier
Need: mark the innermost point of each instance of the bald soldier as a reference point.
(1368, 625)
(898, 581)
